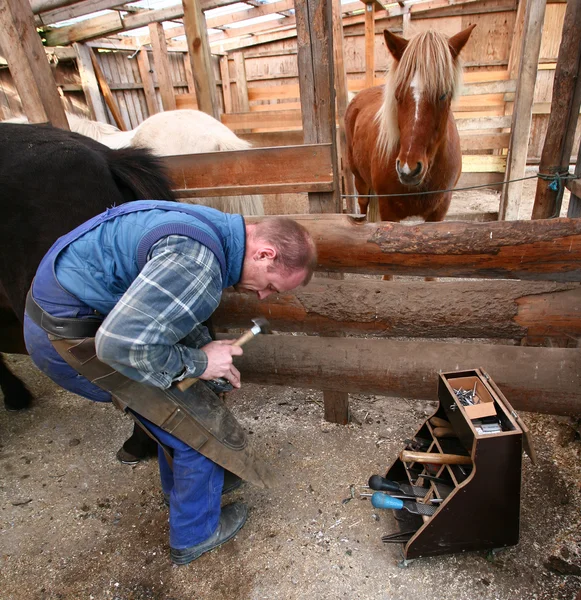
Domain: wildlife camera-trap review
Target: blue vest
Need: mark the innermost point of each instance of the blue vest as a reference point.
(98, 261)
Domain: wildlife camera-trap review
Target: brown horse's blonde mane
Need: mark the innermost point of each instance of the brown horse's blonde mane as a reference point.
(427, 56)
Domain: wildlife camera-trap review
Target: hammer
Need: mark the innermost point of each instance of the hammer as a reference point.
(261, 325)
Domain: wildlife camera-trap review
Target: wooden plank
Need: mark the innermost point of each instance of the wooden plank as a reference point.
(200, 58)
(90, 83)
(317, 87)
(226, 90)
(185, 101)
(574, 186)
(564, 114)
(479, 163)
(253, 29)
(369, 44)
(483, 123)
(78, 9)
(254, 169)
(28, 66)
(543, 250)
(146, 78)
(190, 78)
(252, 13)
(274, 138)
(162, 68)
(522, 116)
(478, 309)
(547, 380)
(316, 81)
(342, 102)
(107, 94)
(485, 141)
(83, 31)
(241, 84)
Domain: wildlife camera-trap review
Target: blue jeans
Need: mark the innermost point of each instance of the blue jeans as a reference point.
(194, 486)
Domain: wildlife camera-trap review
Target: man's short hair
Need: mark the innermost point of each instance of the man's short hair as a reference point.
(295, 248)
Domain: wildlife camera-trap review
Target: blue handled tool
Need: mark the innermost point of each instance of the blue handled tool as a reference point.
(379, 500)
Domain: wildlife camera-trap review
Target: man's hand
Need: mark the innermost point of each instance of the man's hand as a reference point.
(220, 363)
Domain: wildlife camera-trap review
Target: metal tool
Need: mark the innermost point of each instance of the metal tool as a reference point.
(380, 484)
(434, 458)
(379, 500)
(261, 325)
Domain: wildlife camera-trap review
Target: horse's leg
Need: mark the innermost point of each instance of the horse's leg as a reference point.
(363, 192)
(16, 395)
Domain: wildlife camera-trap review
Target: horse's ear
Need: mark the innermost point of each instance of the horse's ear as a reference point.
(458, 41)
(395, 43)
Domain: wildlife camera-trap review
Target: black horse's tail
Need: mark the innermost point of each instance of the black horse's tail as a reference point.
(140, 174)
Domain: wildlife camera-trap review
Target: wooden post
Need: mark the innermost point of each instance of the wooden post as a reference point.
(90, 83)
(161, 62)
(564, 113)
(28, 64)
(241, 85)
(145, 72)
(369, 44)
(200, 57)
(522, 113)
(107, 94)
(342, 89)
(575, 200)
(226, 92)
(316, 82)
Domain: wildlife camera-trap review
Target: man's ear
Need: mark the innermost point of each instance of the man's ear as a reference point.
(265, 252)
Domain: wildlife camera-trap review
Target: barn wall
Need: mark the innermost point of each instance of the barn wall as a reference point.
(274, 64)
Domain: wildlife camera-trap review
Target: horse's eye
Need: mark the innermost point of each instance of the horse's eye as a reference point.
(443, 96)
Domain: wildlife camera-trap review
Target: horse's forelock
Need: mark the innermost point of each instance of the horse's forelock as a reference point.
(428, 57)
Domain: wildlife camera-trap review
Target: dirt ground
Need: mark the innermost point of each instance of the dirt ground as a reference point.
(76, 524)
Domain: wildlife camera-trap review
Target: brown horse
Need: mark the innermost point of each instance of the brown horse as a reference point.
(401, 137)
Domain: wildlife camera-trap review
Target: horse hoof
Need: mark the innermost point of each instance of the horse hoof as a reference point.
(126, 458)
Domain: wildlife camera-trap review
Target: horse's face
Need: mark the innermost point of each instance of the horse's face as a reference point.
(426, 75)
(422, 123)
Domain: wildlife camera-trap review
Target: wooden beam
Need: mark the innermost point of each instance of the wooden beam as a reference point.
(341, 90)
(369, 44)
(522, 115)
(241, 84)
(564, 114)
(106, 91)
(544, 250)
(200, 58)
(226, 91)
(162, 66)
(90, 83)
(79, 9)
(243, 15)
(546, 380)
(37, 6)
(255, 28)
(252, 171)
(88, 29)
(146, 72)
(509, 310)
(28, 64)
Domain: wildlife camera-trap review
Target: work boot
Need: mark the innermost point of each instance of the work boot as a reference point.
(231, 482)
(231, 521)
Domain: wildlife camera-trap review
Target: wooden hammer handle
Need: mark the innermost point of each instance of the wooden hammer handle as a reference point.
(434, 459)
(184, 384)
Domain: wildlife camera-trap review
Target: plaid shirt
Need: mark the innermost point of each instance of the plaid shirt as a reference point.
(153, 333)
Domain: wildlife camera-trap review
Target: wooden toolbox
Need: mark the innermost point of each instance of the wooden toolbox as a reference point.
(480, 501)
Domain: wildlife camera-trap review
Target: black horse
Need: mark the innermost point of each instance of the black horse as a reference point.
(51, 181)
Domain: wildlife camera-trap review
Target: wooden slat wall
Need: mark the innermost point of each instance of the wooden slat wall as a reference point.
(272, 74)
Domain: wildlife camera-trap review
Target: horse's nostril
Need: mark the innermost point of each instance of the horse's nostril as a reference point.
(417, 170)
(397, 166)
